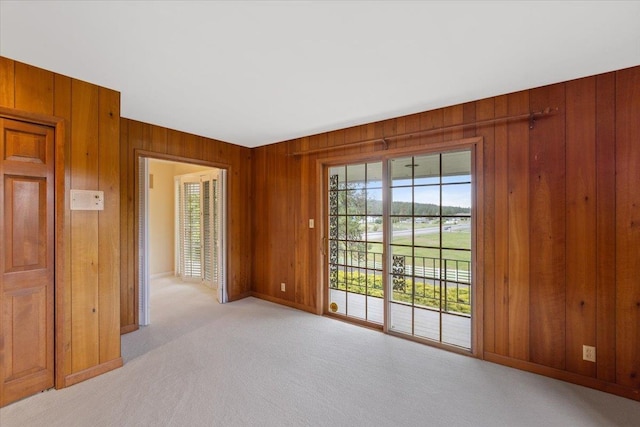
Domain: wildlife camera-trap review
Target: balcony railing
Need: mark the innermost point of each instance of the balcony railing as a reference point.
(433, 283)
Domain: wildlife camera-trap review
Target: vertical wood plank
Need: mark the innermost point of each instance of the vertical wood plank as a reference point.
(158, 140)
(453, 116)
(174, 142)
(297, 222)
(485, 110)
(304, 253)
(34, 89)
(410, 124)
(581, 222)
(108, 221)
(547, 293)
(501, 320)
(191, 146)
(132, 262)
(401, 128)
(432, 120)
(7, 82)
(62, 108)
(627, 228)
(259, 229)
(518, 199)
(606, 227)
(469, 117)
(84, 227)
(283, 222)
(126, 312)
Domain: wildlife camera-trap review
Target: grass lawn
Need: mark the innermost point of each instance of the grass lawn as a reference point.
(450, 239)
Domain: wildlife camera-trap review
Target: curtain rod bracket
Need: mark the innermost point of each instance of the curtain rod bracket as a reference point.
(545, 112)
(385, 143)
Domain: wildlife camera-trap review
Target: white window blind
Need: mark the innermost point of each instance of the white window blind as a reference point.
(197, 228)
(191, 230)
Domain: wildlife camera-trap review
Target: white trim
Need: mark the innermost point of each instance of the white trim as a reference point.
(144, 317)
(222, 236)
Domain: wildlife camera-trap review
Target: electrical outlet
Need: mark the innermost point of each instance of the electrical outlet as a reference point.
(311, 223)
(588, 353)
(283, 287)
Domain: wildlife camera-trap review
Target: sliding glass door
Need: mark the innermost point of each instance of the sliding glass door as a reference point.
(356, 241)
(430, 247)
(400, 245)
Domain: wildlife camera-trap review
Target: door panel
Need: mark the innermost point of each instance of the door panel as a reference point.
(25, 223)
(27, 261)
(355, 242)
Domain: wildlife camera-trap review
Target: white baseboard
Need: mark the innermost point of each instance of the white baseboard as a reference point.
(159, 275)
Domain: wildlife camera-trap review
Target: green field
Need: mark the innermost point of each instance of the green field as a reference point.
(454, 239)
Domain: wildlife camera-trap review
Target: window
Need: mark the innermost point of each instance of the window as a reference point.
(197, 228)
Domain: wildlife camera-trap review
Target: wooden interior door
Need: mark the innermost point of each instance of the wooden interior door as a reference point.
(26, 260)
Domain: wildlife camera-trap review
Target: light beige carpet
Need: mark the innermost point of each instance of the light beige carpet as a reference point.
(253, 363)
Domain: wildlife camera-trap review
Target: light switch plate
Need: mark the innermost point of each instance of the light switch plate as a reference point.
(87, 200)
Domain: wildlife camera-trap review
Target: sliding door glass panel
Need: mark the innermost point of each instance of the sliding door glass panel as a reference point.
(430, 247)
(355, 241)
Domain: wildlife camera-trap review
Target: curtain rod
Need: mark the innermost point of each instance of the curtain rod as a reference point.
(532, 116)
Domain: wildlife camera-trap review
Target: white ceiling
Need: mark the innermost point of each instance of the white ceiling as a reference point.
(259, 72)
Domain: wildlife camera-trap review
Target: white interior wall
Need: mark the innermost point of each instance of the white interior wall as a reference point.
(161, 218)
(161, 213)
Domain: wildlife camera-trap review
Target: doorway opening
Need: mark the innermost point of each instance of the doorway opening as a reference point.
(181, 227)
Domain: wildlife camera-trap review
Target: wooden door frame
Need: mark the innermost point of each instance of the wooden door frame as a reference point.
(153, 155)
(61, 300)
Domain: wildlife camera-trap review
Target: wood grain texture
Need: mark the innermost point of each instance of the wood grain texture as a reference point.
(547, 293)
(606, 226)
(127, 295)
(431, 120)
(259, 198)
(469, 117)
(519, 225)
(108, 219)
(627, 228)
(581, 222)
(64, 337)
(7, 82)
(501, 283)
(158, 140)
(84, 228)
(453, 116)
(485, 110)
(33, 89)
(304, 262)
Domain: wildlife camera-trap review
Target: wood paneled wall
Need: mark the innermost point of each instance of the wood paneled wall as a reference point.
(561, 230)
(159, 142)
(88, 318)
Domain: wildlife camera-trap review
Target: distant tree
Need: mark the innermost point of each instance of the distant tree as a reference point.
(352, 225)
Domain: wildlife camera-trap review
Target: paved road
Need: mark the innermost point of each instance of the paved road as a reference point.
(377, 235)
